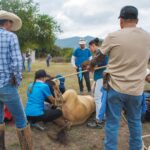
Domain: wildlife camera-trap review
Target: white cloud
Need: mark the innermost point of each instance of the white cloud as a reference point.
(91, 17)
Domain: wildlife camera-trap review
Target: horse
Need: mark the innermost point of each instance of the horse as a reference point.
(76, 109)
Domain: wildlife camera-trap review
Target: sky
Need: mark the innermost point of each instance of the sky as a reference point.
(91, 17)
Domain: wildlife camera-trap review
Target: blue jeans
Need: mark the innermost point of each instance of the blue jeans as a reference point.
(98, 96)
(10, 97)
(29, 67)
(132, 104)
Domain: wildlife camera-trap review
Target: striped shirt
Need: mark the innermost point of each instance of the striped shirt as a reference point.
(10, 58)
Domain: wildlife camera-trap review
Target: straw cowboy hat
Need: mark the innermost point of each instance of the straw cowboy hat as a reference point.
(17, 23)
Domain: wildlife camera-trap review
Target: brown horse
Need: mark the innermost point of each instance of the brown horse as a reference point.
(77, 109)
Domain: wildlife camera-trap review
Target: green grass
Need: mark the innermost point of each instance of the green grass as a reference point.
(54, 69)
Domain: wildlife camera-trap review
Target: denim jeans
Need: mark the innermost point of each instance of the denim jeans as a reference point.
(29, 67)
(98, 96)
(10, 97)
(132, 104)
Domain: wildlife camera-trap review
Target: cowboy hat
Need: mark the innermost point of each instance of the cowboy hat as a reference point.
(17, 23)
(82, 42)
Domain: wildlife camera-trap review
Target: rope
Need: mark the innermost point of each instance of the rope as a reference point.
(78, 73)
(144, 136)
(58, 96)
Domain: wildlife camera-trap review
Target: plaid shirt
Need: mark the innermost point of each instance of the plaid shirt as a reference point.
(10, 58)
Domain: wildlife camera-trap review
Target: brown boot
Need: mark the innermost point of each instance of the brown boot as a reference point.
(25, 138)
(2, 137)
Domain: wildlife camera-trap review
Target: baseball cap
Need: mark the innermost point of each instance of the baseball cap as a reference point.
(129, 12)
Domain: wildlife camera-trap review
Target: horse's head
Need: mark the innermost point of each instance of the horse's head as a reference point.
(54, 87)
(52, 84)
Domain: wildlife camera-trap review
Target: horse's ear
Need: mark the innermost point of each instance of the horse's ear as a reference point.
(52, 77)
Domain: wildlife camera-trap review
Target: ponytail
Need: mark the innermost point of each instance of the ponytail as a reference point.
(30, 90)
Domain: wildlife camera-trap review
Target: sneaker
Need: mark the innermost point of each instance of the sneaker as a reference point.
(37, 126)
(89, 93)
(95, 125)
(81, 93)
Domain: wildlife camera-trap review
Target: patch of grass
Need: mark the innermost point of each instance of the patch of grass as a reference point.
(54, 69)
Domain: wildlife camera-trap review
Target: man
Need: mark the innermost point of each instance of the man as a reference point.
(29, 60)
(98, 78)
(48, 60)
(10, 77)
(79, 56)
(23, 62)
(128, 50)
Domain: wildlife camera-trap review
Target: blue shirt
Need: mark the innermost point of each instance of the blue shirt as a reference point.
(36, 98)
(81, 56)
(98, 74)
(10, 58)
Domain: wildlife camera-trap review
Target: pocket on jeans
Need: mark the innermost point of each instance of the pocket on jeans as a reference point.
(113, 96)
(10, 92)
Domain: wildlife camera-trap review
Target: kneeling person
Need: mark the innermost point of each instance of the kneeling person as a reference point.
(37, 93)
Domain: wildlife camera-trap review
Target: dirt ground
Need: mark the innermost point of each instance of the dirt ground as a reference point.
(78, 137)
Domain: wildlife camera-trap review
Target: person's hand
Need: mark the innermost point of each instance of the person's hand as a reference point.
(148, 78)
(89, 68)
(85, 64)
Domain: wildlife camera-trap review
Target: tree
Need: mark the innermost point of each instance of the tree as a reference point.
(67, 53)
(56, 51)
(38, 31)
(45, 28)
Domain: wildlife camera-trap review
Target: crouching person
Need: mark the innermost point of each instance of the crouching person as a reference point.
(37, 93)
(10, 77)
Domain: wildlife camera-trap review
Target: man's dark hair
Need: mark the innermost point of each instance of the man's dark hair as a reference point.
(95, 41)
(91, 42)
(2, 22)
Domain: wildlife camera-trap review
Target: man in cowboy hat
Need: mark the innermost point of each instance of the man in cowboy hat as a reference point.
(10, 78)
(129, 51)
(80, 55)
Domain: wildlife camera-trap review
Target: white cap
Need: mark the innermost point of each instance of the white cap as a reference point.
(82, 42)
